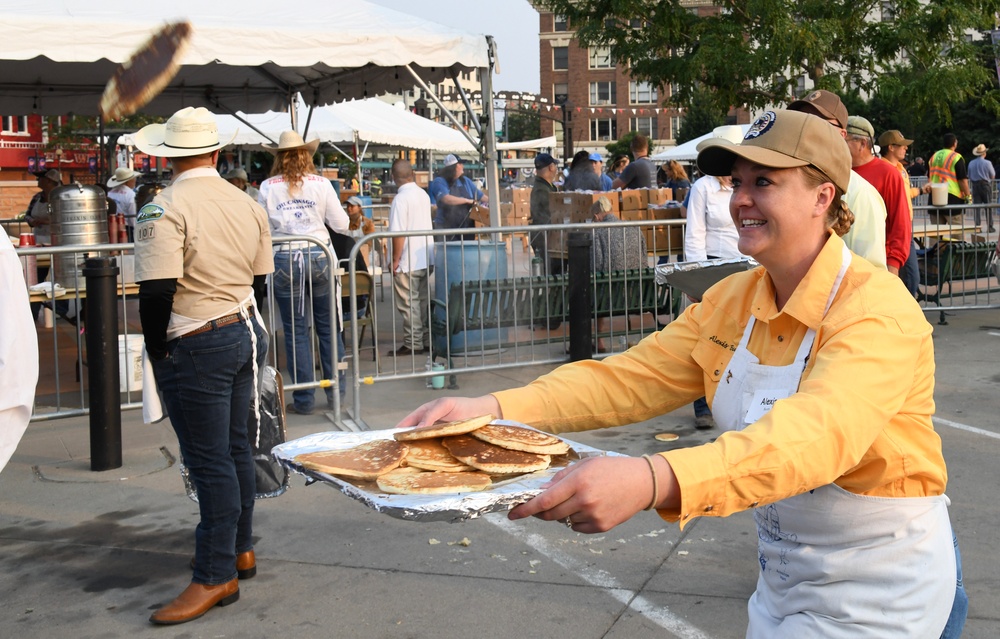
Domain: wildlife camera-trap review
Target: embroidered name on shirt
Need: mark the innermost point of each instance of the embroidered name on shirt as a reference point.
(295, 203)
(723, 343)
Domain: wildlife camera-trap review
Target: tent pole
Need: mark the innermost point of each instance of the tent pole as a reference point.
(451, 116)
(468, 105)
(488, 136)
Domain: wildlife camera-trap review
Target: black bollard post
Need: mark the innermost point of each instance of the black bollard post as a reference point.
(101, 274)
(580, 304)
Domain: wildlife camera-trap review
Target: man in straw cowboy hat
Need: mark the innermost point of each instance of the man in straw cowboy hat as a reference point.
(981, 176)
(300, 202)
(121, 189)
(202, 252)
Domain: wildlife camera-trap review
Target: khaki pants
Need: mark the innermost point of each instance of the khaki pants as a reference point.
(412, 301)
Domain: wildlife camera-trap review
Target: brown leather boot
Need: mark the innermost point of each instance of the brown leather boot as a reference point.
(196, 600)
(246, 564)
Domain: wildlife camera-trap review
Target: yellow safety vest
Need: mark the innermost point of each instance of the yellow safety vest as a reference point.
(943, 170)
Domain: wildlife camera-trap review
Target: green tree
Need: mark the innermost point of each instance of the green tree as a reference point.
(700, 118)
(523, 124)
(752, 53)
(623, 146)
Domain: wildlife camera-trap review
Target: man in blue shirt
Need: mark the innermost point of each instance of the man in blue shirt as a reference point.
(599, 170)
(454, 194)
(981, 176)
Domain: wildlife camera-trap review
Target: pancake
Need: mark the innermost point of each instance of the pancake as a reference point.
(666, 437)
(494, 459)
(523, 439)
(441, 430)
(430, 454)
(403, 481)
(367, 461)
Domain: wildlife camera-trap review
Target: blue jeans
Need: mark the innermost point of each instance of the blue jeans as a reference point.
(302, 286)
(701, 407)
(910, 273)
(207, 385)
(959, 609)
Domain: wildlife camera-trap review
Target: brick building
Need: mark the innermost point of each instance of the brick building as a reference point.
(594, 94)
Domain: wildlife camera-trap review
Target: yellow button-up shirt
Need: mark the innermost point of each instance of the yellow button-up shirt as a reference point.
(861, 417)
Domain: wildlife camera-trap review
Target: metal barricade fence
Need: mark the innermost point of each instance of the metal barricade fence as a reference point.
(954, 258)
(61, 391)
(484, 308)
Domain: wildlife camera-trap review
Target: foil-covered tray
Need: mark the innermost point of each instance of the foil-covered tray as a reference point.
(694, 278)
(504, 494)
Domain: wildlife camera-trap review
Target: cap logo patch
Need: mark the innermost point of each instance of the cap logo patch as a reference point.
(761, 125)
(813, 96)
(149, 213)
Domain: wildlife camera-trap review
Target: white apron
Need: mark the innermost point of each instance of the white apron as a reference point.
(835, 564)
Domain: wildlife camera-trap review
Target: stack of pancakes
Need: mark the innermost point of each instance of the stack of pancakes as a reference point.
(455, 457)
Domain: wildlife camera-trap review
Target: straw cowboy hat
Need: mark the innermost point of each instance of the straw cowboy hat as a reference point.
(731, 132)
(979, 150)
(190, 131)
(122, 175)
(291, 140)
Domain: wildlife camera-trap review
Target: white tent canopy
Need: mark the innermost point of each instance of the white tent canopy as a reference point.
(528, 145)
(687, 152)
(373, 121)
(58, 56)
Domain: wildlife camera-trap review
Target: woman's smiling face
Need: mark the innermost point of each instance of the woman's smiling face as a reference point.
(776, 211)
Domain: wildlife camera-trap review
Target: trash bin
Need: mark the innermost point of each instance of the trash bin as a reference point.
(480, 264)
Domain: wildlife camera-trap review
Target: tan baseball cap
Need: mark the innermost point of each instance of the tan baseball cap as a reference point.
(893, 136)
(824, 104)
(783, 140)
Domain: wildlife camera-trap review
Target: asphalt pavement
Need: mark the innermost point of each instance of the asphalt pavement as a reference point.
(92, 554)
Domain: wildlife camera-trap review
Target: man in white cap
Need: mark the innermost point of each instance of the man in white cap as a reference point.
(239, 178)
(121, 189)
(981, 176)
(454, 194)
(202, 251)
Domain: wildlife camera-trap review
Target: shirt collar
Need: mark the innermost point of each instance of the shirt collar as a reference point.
(201, 171)
(808, 302)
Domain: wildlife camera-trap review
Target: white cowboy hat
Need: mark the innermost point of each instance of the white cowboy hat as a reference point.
(291, 140)
(122, 175)
(190, 131)
(730, 132)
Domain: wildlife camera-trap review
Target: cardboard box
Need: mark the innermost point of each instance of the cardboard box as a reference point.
(634, 199)
(480, 215)
(663, 212)
(665, 239)
(522, 209)
(574, 206)
(634, 214)
(659, 196)
(423, 178)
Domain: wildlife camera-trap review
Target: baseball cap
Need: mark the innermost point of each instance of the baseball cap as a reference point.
(236, 174)
(452, 159)
(542, 160)
(857, 125)
(783, 140)
(355, 200)
(824, 103)
(893, 136)
(51, 174)
(596, 157)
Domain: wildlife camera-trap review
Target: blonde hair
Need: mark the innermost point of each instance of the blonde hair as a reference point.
(293, 165)
(838, 216)
(675, 171)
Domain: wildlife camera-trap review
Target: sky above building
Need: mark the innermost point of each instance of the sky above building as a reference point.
(512, 23)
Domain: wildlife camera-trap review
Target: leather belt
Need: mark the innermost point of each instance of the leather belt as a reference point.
(225, 320)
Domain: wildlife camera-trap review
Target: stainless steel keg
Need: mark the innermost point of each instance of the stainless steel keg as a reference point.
(79, 214)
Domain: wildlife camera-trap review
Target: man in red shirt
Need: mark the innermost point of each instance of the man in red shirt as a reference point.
(888, 182)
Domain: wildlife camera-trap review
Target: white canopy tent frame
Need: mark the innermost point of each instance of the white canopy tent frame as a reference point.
(58, 57)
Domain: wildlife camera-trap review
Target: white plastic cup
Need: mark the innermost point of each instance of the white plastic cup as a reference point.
(437, 382)
(939, 194)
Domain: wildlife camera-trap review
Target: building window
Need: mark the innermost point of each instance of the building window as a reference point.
(675, 128)
(600, 58)
(602, 93)
(560, 58)
(888, 11)
(604, 130)
(14, 124)
(645, 126)
(642, 93)
(800, 85)
(559, 22)
(560, 93)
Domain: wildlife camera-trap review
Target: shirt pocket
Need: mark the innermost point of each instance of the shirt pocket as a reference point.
(712, 358)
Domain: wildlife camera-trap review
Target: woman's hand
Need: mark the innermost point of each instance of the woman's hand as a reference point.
(596, 494)
(449, 409)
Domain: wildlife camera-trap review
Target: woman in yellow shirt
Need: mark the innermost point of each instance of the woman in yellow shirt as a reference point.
(820, 367)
